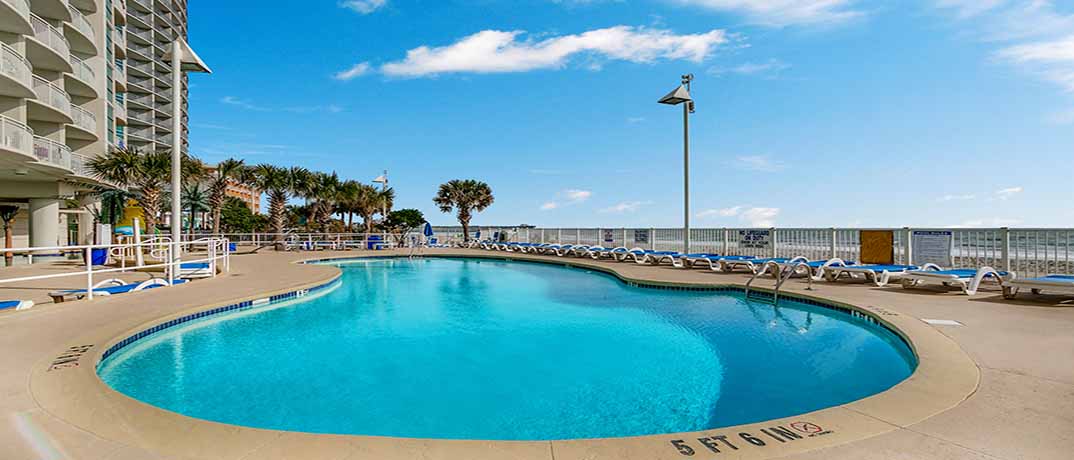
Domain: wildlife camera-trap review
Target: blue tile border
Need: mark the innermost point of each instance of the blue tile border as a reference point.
(244, 305)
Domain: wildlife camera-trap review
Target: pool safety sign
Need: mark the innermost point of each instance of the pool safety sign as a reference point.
(609, 235)
(641, 236)
(754, 239)
(932, 247)
(746, 440)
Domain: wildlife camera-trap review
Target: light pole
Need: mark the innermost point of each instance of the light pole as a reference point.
(183, 59)
(679, 96)
(383, 181)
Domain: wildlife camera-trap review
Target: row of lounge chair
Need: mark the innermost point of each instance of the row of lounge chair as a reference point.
(968, 280)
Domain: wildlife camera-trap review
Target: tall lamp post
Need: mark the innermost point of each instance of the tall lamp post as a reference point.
(681, 95)
(183, 59)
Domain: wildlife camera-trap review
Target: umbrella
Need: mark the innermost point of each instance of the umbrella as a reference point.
(428, 230)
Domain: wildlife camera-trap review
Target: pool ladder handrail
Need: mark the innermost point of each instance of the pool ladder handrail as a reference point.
(781, 274)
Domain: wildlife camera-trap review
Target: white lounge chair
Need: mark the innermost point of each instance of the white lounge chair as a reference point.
(880, 275)
(16, 304)
(714, 262)
(968, 279)
(1057, 284)
(755, 265)
(112, 286)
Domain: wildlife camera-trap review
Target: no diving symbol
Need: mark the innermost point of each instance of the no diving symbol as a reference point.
(806, 427)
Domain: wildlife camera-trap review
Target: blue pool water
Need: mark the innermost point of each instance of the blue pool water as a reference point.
(472, 349)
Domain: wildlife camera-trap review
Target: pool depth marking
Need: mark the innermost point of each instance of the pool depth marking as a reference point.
(720, 443)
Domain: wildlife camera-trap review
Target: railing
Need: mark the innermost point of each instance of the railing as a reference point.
(1028, 252)
(141, 66)
(165, 139)
(145, 83)
(84, 119)
(80, 165)
(50, 36)
(15, 65)
(144, 133)
(49, 151)
(212, 251)
(145, 50)
(22, 6)
(143, 34)
(81, 24)
(120, 110)
(147, 4)
(16, 136)
(83, 71)
(52, 95)
(143, 99)
(119, 37)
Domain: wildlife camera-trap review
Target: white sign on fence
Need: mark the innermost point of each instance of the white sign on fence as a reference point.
(641, 236)
(932, 247)
(609, 235)
(754, 239)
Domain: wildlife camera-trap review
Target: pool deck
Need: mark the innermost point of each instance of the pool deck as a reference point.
(1001, 386)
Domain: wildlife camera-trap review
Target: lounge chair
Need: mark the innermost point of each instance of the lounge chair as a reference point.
(605, 253)
(588, 251)
(878, 274)
(814, 268)
(659, 257)
(193, 270)
(755, 265)
(712, 261)
(16, 304)
(569, 249)
(967, 279)
(1058, 284)
(112, 287)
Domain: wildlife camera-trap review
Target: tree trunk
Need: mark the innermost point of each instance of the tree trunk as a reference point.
(151, 209)
(9, 241)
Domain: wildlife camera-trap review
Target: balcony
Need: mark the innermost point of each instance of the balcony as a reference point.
(143, 100)
(140, 68)
(119, 12)
(142, 36)
(84, 124)
(16, 137)
(141, 18)
(82, 81)
(86, 5)
(138, 117)
(119, 42)
(79, 33)
(142, 84)
(52, 152)
(165, 140)
(47, 48)
(80, 165)
(119, 110)
(119, 77)
(52, 103)
(16, 74)
(15, 17)
(142, 134)
(142, 52)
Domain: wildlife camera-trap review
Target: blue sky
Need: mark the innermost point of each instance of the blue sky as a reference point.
(809, 112)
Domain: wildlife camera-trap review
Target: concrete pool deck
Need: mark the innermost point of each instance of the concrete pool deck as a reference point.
(999, 386)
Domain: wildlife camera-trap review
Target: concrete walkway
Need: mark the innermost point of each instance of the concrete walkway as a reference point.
(1023, 406)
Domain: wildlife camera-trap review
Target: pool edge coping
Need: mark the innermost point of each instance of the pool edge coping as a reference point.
(945, 376)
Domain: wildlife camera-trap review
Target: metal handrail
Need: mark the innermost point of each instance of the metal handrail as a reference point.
(51, 36)
(15, 65)
(52, 95)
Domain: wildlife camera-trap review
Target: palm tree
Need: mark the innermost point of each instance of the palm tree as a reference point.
(148, 172)
(324, 190)
(226, 172)
(464, 196)
(368, 201)
(279, 183)
(195, 200)
(7, 215)
(348, 194)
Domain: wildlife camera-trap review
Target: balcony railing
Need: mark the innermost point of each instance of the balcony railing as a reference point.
(84, 119)
(143, 99)
(81, 24)
(15, 136)
(119, 37)
(16, 66)
(145, 82)
(83, 71)
(120, 110)
(146, 18)
(144, 133)
(80, 165)
(50, 36)
(49, 151)
(165, 139)
(52, 95)
(144, 34)
(142, 66)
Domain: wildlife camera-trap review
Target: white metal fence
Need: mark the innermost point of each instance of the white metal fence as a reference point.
(1027, 251)
(121, 258)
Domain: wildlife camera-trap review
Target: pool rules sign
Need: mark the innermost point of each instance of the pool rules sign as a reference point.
(932, 247)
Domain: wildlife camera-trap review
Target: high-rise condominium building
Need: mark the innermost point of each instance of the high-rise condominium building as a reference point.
(78, 78)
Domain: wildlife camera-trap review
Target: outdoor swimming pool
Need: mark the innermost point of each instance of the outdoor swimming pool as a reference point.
(497, 350)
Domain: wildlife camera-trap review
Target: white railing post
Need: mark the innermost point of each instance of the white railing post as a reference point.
(908, 247)
(577, 236)
(559, 236)
(832, 249)
(89, 272)
(1005, 248)
(652, 239)
(775, 243)
(726, 242)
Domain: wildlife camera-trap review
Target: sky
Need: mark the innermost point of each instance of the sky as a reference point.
(809, 113)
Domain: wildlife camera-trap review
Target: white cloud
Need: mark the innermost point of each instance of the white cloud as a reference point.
(566, 198)
(232, 100)
(957, 197)
(355, 71)
(626, 207)
(779, 13)
(1051, 60)
(363, 6)
(244, 104)
(495, 51)
(1007, 193)
(760, 217)
(762, 163)
(751, 216)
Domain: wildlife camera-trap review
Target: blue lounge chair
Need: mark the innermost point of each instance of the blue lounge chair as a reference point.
(712, 261)
(112, 287)
(878, 274)
(192, 270)
(658, 257)
(1058, 284)
(968, 279)
(755, 265)
(16, 304)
